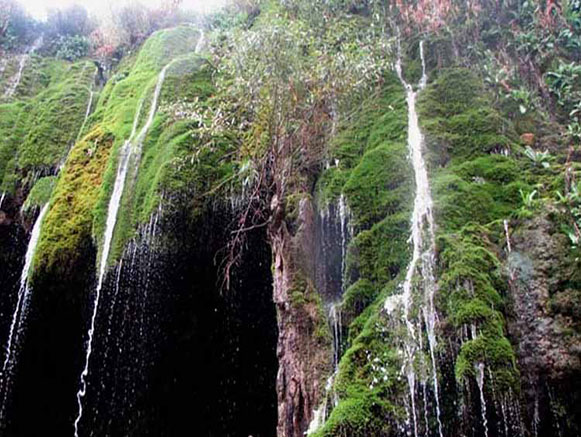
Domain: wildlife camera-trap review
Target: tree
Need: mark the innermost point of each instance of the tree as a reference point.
(17, 28)
(71, 21)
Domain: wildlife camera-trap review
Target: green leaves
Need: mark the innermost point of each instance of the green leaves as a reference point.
(72, 48)
(538, 158)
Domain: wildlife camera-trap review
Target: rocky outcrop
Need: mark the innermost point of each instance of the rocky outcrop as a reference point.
(304, 347)
(539, 269)
(546, 334)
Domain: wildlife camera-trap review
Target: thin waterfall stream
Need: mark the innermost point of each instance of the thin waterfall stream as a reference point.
(480, 382)
(20, 311)
(337, 219)
(423, 253)
(87, 114)
(19, 314)
(129, 154)
(89, 106)
(15, 81)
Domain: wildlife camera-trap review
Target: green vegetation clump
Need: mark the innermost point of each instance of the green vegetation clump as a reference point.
(470, 300)
(367, 384)
(459, 119)
(40, 193)
(66, 227)
(479, 185)
(177, 161)
(38, 132)
(375, 177)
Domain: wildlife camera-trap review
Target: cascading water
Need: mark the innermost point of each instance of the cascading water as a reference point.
(129, 154)
(19, 315)
(20, 312)
(82, 128)
(2, 199)
(423, 255)
(89, 106)
(201, 42)
(320, 415)
(335, 236)
(15, 81)
(480, 381)
(507, 234)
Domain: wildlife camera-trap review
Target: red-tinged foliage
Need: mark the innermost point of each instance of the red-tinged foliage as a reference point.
(427, 15)
(548, 14)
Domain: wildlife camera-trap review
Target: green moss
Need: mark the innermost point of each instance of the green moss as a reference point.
(38, 74)
(475, 184)
(377, 186)
(459, 119)
(382, 251)
(164, 169)
(496, 353)
(57, 115)
(13, 124)
(367, 382)
(358, 297)
(67, 226)
(468, 298)
(375, 177)
(82, 194)
(40, 193)
(37, 133)
(455, 91)
(357, 416)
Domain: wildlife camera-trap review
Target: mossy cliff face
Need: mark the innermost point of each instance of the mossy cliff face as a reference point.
(476, 188)
(543, 320)
(304, 344)
(374, 176)
(40, 124)
(480, 177)
(79, 205)
(507, 359)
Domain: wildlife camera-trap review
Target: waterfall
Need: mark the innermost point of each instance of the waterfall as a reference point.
(506, 232)
(200, 43)
(423, 252)
(15, 81)
(344, 218)
(130, 153)
(2, 199)
(89, 105)
(335, 321)
(320, 415)
(480, 381)
(82, 128)
(20, 311)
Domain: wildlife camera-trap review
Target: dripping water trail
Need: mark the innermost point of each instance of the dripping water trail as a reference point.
(201, 41)
(480, 381)
(328, 217)
(320, 415)
(89, 106)
(87, 114)
(129, 153)
(11, 89)
(423, 252)
(19, 315)
(507, 233)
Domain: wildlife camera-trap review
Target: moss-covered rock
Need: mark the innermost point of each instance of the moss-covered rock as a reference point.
(374, 175)
(40, 193)
(37, 132)
(79, 206)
